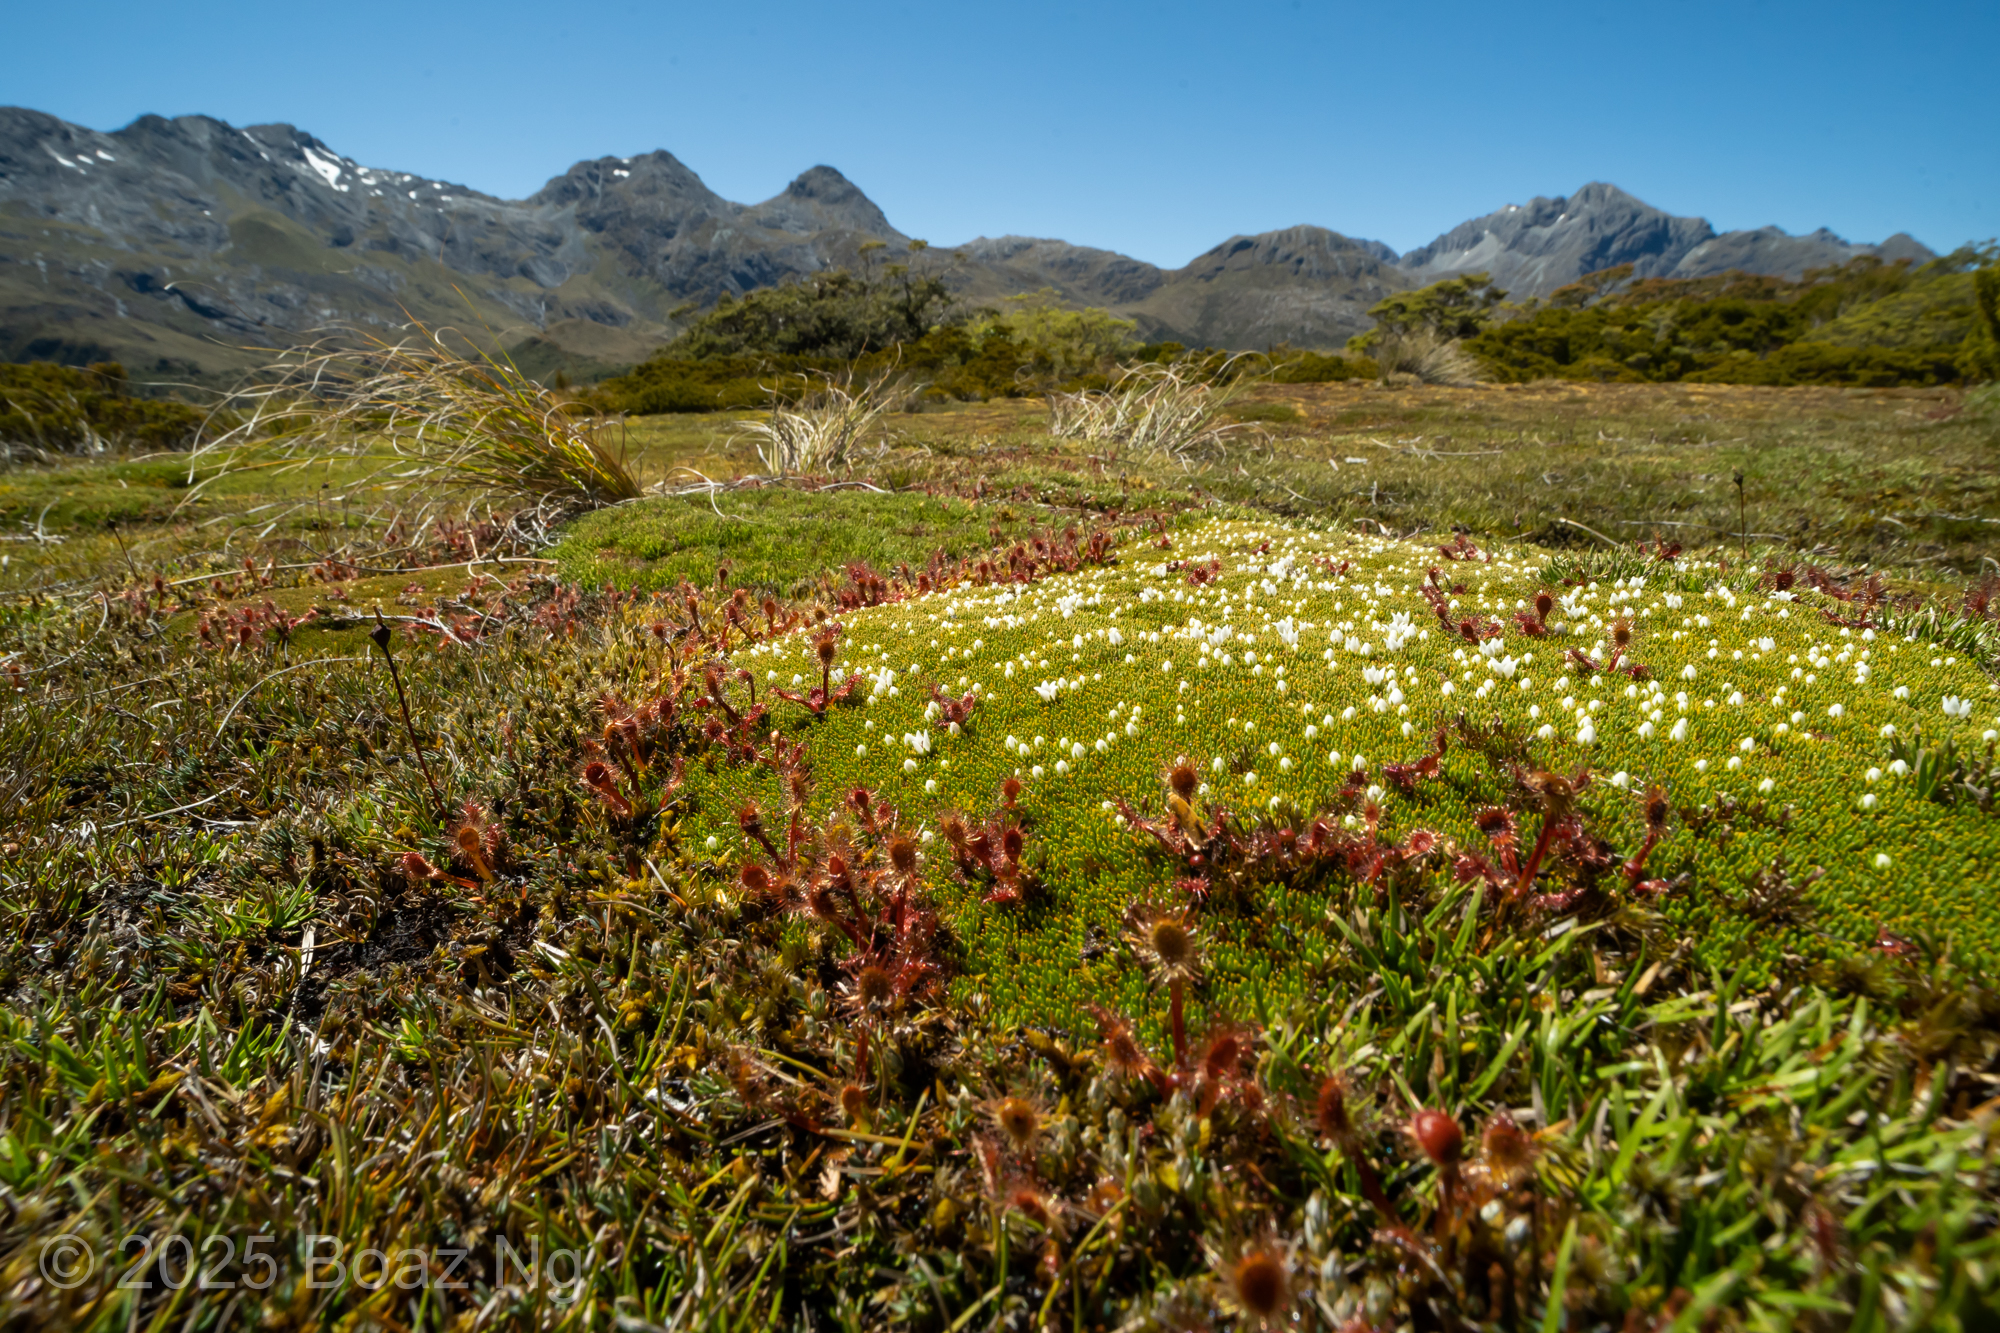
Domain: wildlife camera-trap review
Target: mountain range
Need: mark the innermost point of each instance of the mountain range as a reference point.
(183, 246)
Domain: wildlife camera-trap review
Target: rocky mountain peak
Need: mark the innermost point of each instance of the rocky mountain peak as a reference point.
(821, 199)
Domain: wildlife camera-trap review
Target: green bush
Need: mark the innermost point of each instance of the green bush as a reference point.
(48, 409)
(834, 314)
(1865, 323)
(1291, 367)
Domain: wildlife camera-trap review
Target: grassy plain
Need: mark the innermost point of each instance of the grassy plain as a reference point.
(268, 974)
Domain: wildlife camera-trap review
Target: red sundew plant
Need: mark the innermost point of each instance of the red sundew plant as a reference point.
(816, 701)
(989, 855)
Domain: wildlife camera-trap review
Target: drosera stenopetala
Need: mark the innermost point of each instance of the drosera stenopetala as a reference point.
(1279, 662)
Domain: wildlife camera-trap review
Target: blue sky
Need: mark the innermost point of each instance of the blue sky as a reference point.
(1156, 129)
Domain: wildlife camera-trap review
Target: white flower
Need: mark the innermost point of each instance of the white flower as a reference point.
(1621, 780)
(1645, 731)
(1872, 775)
(1766, 785)
(1888, 730)
(930, 784)
(1217, 765)
(1285, 764)
(1049, 689)
(861, 752)
(711, 843)
(1546, 732)
(1882, 861)
(1062, 766)
(1249, 779)
(1901, 692)
(1701, 765)
(1036, 771)
(1766, 645)
(1869, 801)
(1734, 763)
(1167, 666)
(1836, 710)
(1688, 672)
(1680, 731)
(1076, 750)
(1898, 767)
(909, 765)
(1956, 707)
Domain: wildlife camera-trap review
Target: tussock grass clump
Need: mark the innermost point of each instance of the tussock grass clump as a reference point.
(1173, 411)
(817, 432)
(1422, 351)
(432, 418)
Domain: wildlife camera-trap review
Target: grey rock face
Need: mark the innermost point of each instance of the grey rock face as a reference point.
(1533, 249)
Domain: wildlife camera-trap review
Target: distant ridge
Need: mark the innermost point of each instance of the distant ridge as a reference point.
(1533, 249)
(181, 245)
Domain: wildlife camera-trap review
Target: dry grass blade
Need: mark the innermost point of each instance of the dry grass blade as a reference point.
(1152, 410)
(1426, 354)
(434, 417)
(818, 433)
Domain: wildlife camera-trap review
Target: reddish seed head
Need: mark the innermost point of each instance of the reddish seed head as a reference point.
(1331, 1110)
(1018, 1120)
(1656, 808)
(859, 800)
(770, 608)
(1011, 843)
(953, 829)
(1438, 1135)
(754, 878)
(1505, 1149)
(750, 819)
(874, 986)
(1010, 791)
(1491, 820)
(853, 1102)
(836, 870)
(1421, 842)
(1621, 631)
(1261, 1284)
(468, 839)
(1122, 1051)
(597, 773)
(1182, 780)
(1028, 1201)
(1172, 942)
(1544, 604)
(824, 646)
(903, 855)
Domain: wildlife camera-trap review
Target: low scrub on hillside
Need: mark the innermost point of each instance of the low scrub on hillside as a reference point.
(1866, 323)
(48, 411)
